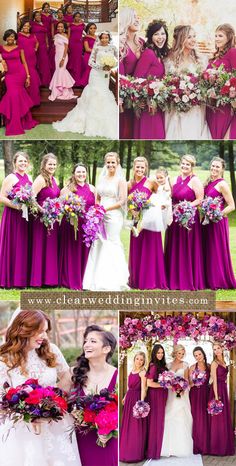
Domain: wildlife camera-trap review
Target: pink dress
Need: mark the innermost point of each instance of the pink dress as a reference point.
(28, 44)
(75, 51)
(86, 68)
(16, 103)
(220, 119)
(62, 82)
(43, 62)
(68, 19)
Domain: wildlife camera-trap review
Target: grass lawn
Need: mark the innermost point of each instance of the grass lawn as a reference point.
(43, 132)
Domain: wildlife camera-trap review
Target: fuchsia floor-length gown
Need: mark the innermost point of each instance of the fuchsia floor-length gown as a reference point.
(133, 431)
(73, 253)
(146, 258)
(157, 398)
(89, 450)
(183, 248)
(220, 426)
(68, 19)
(75, 51)
(43, 61)
(62, 82)
(198, 399)
(149, 126)
(28, 44)
(85, 66)
(44, 265)
(16, 103)
(220, 119)
(14, 234)
(215, 236)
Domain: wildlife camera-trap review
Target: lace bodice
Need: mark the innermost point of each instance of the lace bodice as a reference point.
(98, 52)
(112, 191)
(37, 369)
(192, 67)
(180, 371)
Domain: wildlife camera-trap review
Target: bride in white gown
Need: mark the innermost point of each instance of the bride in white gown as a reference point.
(27, 348)
(183, 58)
(177, 438)
(106, 267)
(96, 112)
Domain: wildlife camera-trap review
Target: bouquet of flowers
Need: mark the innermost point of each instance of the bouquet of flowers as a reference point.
(137, 201)
(108, 61)
(134, 93)
(198, 377)
(23, 196)
(158, 94)
(96, 412)
(30, 401)
(73, 207)
(52, 212)
(184, 214)
(179, 385)
(218, 86)
(210, 210)
(215, 407)
(166, 378)
(94, 224)
(141, 409)
(184, 91)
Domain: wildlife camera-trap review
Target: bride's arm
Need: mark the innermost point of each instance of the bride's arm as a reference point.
(122, 196)
(93, 59)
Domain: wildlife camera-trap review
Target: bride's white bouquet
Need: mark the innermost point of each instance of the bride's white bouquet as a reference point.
(108, 60)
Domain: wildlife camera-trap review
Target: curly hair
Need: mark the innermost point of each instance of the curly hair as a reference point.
(152, 28)
(230, 34)
(43, 171)
(25, 325)
(180, 35)
(80, 371)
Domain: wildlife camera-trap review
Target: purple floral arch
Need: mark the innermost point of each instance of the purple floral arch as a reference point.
(176, 327)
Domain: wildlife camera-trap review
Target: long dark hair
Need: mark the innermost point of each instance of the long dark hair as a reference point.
(159, 364)
(199, 348)
(79, 377)
(152, 28)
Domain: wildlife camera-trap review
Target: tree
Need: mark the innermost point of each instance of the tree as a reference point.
(8, 152)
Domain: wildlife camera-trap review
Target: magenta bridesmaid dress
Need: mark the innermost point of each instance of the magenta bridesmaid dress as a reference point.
(149, 126)
(133, 431)
(215, 236)
(44, 265)
(85, 66)
(73, 254)
(43, 61)
(47, 21)
(219, 119)
(126, 68)
(28, 44)
(75, 51)
(183, 248)
(157, 398)
(68, 19)
(14, 236)
(199, 397)
(220, 426)
(90, 451)
(146, 257)
(16, 103)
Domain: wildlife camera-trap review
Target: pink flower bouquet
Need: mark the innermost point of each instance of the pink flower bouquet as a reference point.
(215, 407)
(93, 225)
(166, 378)
(184, 214)
(198, 377)
(73, 207)
(141, 409)
(23, 196)
(52, 212)
(210, 210)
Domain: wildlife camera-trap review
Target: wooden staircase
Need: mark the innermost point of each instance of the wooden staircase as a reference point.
(49, 111)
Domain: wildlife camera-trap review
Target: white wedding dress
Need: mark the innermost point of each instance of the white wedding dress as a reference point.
(189, 125)
(106, 268)
(96, 112)
(20, 445)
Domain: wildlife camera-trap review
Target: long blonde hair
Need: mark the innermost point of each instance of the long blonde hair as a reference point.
(126, 18)
(216, 159)
(140, 353)
(43, 171)
(177, 51)
(218, 343)
(230, 33)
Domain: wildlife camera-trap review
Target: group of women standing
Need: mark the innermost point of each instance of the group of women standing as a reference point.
(176, 426)
(28, 354)
(153, 58)
(191, 260)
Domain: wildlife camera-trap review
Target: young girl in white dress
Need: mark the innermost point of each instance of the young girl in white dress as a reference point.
(28, 354)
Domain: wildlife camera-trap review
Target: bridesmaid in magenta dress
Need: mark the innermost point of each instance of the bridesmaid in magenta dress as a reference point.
(47, 20)
(43, 62)
(16, 103)
(156, 397)
(88, 43)
(146, 258)
(98, 347)
(28, 42)
(73, 253)
(130, 51)
(44, 264)
(199, 396)
(220, 426)
(183, 248)
(59, 19)
(133, 431)
(76, 48)
(62, 82)
(14, 229)
(149, 125)
(215, 236)
(219, 119)
(68, 16)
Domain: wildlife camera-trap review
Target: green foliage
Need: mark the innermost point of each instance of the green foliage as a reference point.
(72, 353)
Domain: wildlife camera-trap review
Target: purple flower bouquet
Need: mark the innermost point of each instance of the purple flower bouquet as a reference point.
(23, 196)
(166, 378)
(94, 224)
(52, 212)
(141, 409)
(73, 207)
(210, 210)
(198, 377)
(179, 385)
(184, 214)
(215, 407)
